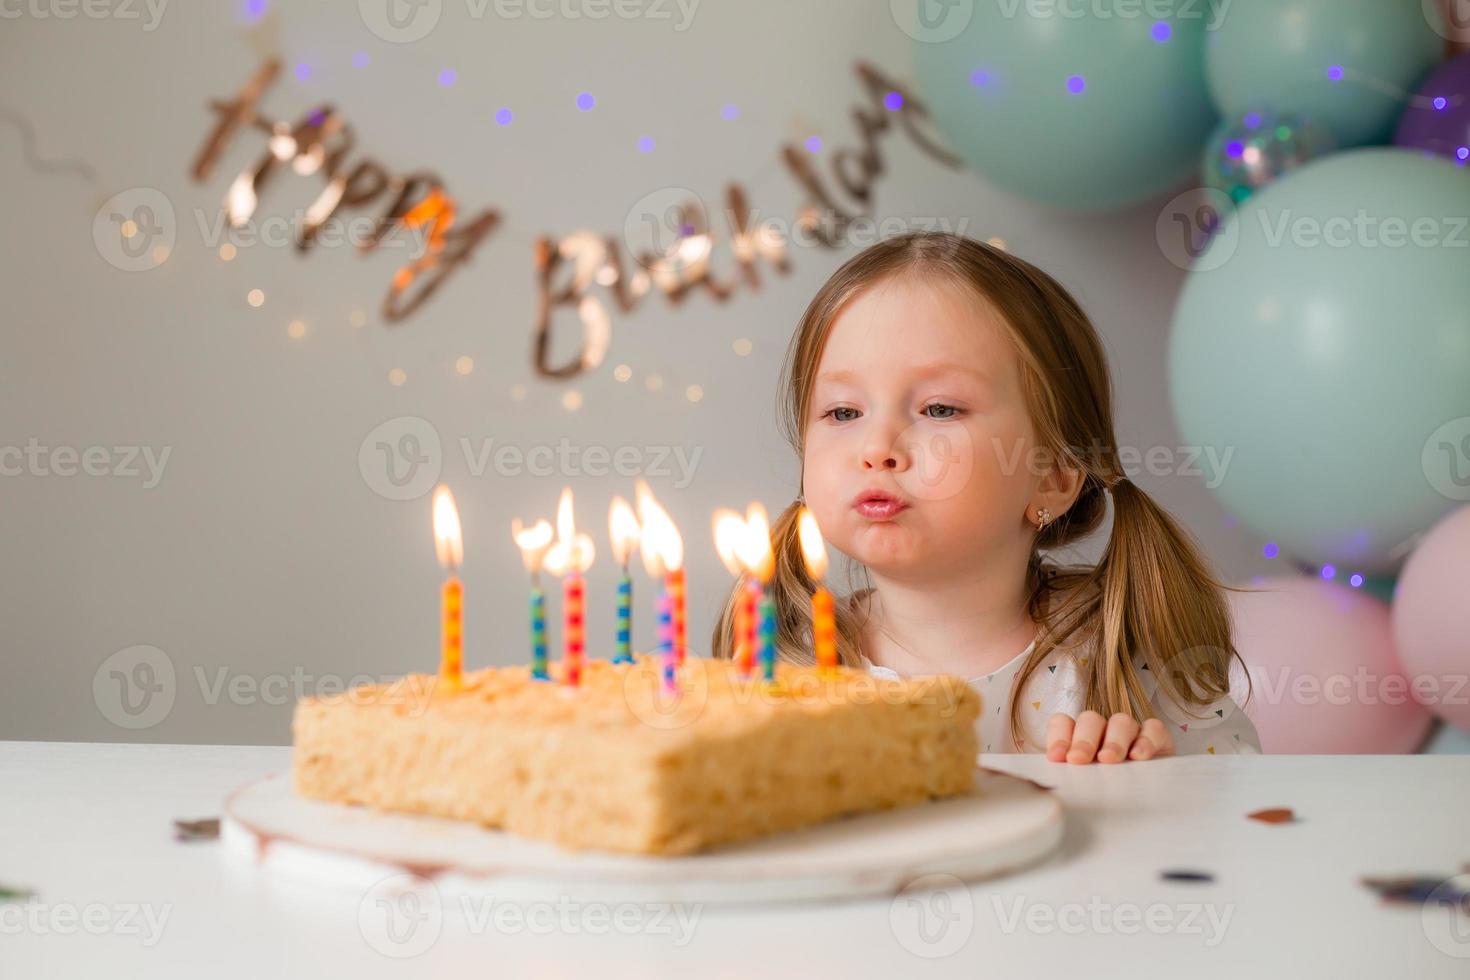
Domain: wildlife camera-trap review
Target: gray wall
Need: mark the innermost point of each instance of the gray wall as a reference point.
(264, 563)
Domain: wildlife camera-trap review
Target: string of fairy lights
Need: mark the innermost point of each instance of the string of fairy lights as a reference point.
(263, 36)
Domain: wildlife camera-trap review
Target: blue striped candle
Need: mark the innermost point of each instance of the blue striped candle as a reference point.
(768, 637)
(538, 634)
(624, 653)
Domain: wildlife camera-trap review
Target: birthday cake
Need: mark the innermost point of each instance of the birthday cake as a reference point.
(619, 762)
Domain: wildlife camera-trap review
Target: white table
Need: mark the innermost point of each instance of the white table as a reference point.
(89, 827)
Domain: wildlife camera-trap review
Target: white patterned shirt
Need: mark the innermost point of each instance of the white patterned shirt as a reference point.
(1221, 728)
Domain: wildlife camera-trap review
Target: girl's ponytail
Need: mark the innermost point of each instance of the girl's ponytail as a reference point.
(1151, 596)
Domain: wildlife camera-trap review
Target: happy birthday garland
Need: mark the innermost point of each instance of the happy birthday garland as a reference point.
(321, 141)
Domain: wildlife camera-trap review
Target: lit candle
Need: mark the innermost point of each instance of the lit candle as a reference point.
(664, 616)
(624, 530)
(568, 558)
(449, 548)
(748, 610)
(663, 554)
(679, 611)
(824, 613)
(729, 531)
(574, 603)
(758, 538)
(533, 542)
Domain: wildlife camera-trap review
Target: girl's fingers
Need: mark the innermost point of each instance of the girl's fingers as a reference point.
(1108, 740)
(1117, 739)
(1058, 737)
(1143, 749)
(1158, 734)
(1152, 743)
(1086, 736)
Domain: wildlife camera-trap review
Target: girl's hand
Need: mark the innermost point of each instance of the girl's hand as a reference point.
(1114, 739)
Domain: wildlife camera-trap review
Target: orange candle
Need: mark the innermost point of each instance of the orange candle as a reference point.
(451, 656)
(824, 613)
(449, 548)
(824, 629)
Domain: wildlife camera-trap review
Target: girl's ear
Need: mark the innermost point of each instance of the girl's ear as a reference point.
(1059, 488)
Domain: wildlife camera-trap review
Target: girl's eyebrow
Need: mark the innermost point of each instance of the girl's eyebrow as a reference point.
(923, 371)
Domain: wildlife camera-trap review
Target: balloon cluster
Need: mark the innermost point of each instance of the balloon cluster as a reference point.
(1101, 106)
(1333, 669)
(1245, 155)
(1323, 331)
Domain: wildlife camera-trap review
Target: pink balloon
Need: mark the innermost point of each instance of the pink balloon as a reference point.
(1324, 675)
(1429, 626)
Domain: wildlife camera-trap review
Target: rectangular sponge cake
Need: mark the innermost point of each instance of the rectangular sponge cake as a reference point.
(618, 764)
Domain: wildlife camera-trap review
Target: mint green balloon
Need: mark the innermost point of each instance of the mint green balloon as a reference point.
(1071, 109)
(1348, 64)
(1323, 342)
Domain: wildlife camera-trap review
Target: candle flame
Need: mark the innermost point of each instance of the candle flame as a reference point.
(566, 525)
(533, 542)
(758, 556)
(663, 548)
(572, 552)
(812, 548)
(729, 530)
(623, 528)
(448, 542)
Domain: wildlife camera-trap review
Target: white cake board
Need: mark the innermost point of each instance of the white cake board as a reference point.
(1008, 824)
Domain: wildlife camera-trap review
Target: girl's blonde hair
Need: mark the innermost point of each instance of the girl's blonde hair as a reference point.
(1152, 593)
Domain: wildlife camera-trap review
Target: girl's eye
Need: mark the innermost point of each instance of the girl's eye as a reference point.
(938, 411)
(840, 414)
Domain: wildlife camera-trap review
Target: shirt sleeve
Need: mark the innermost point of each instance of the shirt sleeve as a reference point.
(1221, 728)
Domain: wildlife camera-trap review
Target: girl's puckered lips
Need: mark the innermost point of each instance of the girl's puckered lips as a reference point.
(879, 505)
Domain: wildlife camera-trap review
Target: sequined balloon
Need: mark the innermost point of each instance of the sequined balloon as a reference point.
(1247, 153)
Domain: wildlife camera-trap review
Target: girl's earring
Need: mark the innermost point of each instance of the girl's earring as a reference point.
(1043, 518)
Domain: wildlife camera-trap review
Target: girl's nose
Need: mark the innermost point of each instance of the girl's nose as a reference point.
(883, 453)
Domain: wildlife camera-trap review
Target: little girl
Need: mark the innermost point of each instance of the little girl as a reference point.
(952, 409)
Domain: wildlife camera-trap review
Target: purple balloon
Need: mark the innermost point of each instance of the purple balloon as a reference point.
(1438, 118)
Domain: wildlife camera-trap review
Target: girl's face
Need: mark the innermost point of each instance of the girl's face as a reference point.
(918, 438)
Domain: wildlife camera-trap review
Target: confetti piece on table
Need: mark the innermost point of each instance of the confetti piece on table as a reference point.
(186, 830)
(1280, 814)
(15, 893)
(1419, 889)
(1186, 876)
